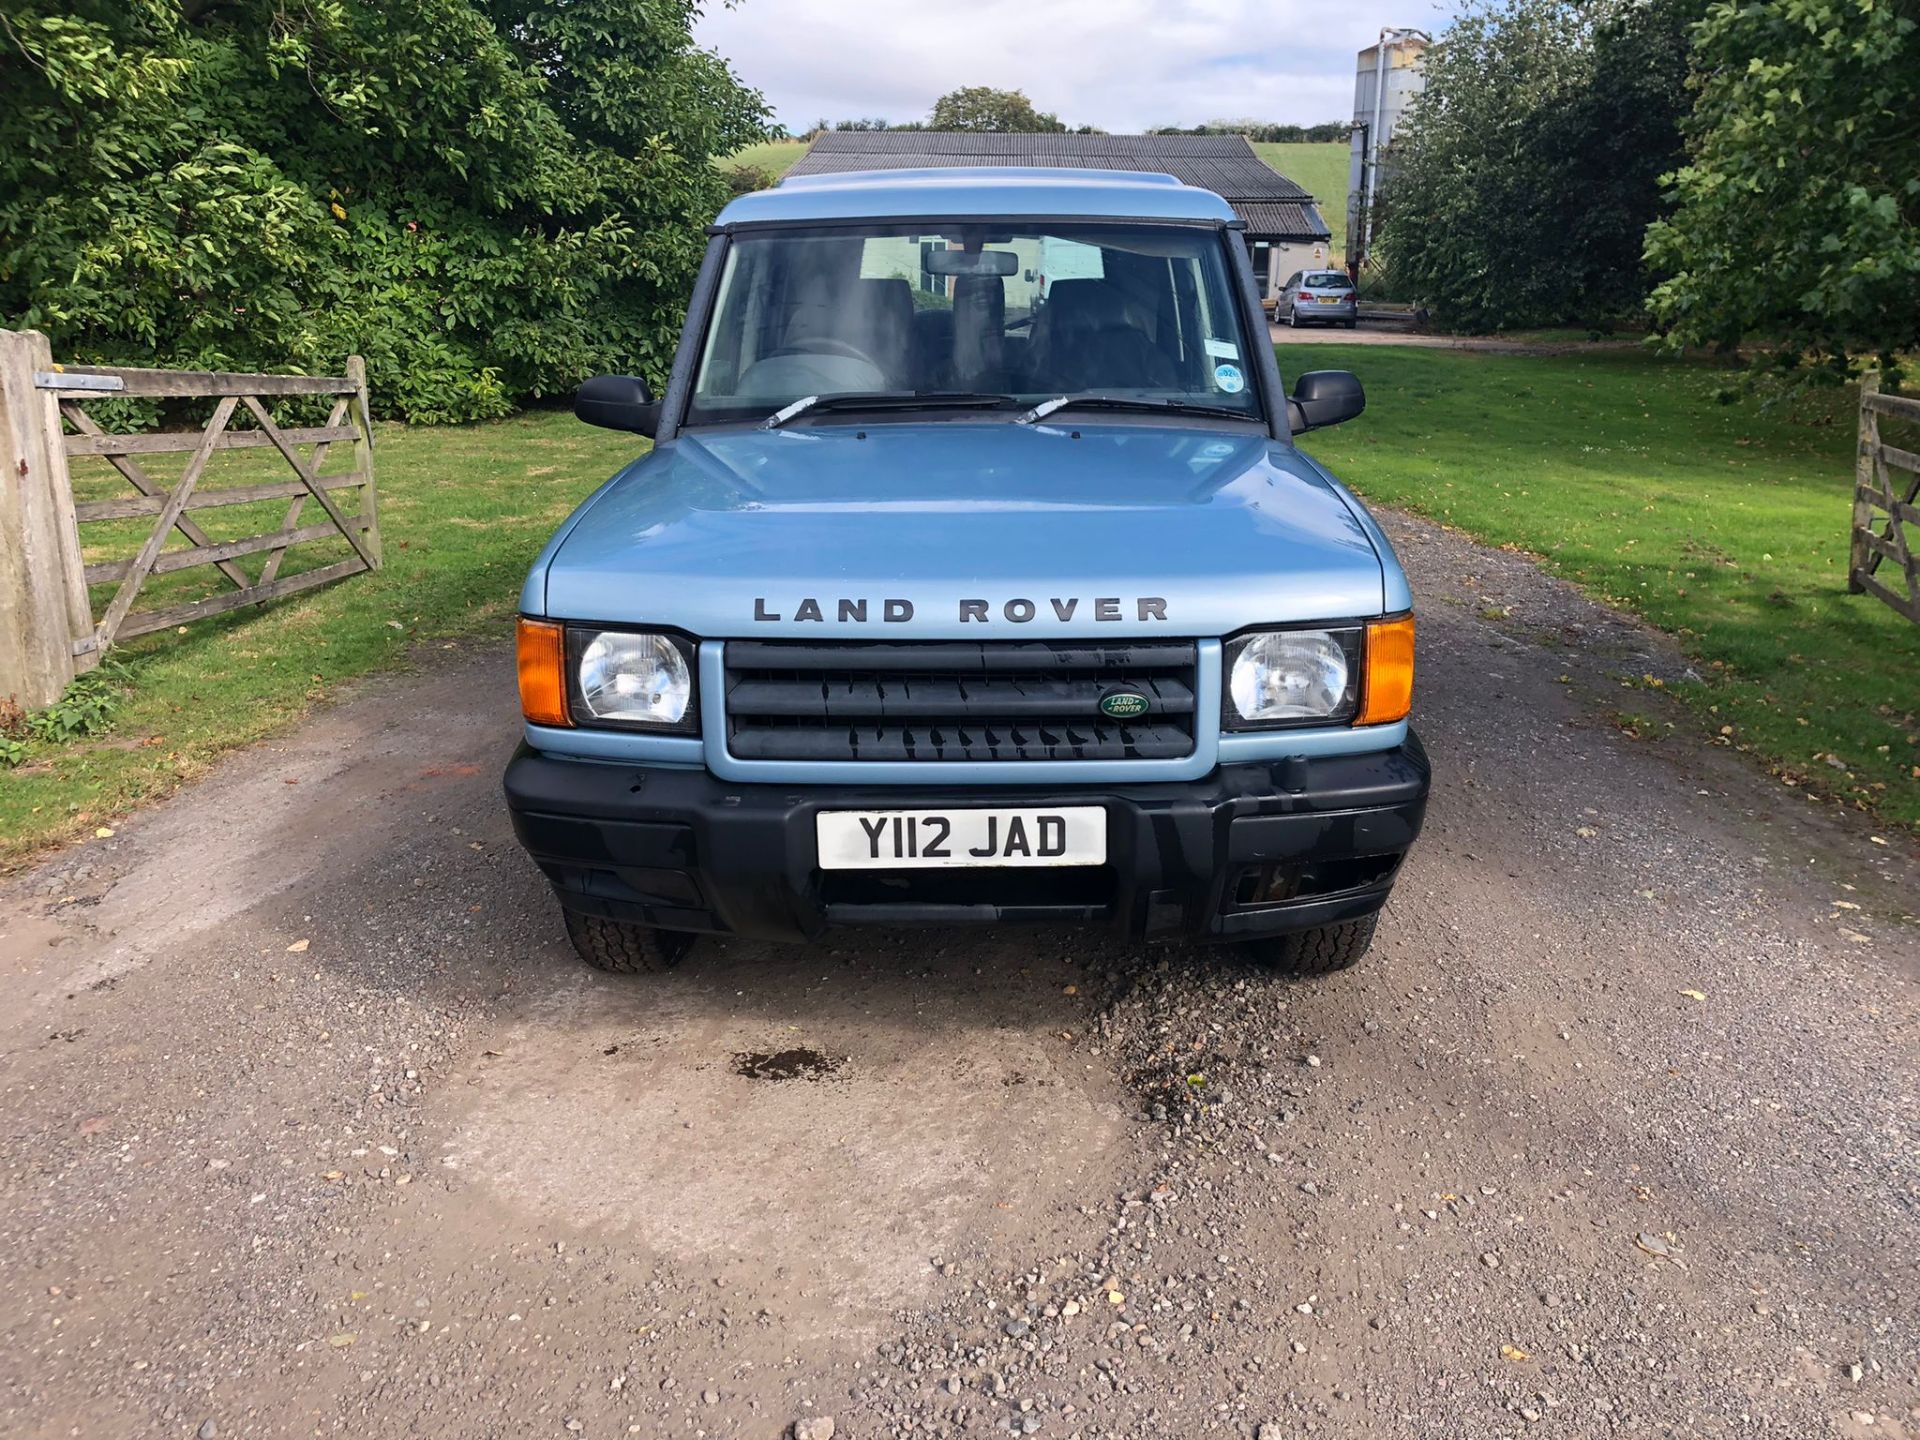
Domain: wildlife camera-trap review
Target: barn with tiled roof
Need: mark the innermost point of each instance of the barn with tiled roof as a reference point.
(1284, 229)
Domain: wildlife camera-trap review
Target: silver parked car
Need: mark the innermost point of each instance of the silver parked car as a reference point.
(1318, 297)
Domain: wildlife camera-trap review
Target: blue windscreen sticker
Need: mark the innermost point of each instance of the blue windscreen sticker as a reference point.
(1229, 378)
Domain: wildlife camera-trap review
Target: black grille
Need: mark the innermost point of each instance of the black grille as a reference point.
(956, 701)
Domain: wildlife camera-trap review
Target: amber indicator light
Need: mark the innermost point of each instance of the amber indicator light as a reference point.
(1389, 689)
(542, 648)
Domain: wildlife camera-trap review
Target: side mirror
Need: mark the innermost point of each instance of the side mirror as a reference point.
(1324, 397)
(618, 402)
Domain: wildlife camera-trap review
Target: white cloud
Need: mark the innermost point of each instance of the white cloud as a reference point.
(1120, 64)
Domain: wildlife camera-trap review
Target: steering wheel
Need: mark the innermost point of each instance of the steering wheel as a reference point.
(824, 345)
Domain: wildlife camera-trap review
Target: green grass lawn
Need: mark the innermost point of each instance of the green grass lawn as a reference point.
(463, 511)
(1725, 525)
(1320, 169)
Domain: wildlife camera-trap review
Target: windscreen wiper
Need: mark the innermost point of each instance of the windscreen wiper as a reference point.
(1097, 401)
(888, 400)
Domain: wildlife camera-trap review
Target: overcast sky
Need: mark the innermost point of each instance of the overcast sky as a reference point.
(1123, 65)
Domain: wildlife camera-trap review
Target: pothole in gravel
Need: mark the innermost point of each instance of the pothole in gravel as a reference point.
(832, 1159)
(783, 1065)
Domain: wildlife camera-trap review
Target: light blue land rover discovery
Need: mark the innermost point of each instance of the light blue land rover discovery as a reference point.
(973, 576)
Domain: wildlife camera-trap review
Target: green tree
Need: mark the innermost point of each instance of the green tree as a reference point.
(1264, 131)
(984, 109)
(490, 199)
(1527, 173)
(1798, 211)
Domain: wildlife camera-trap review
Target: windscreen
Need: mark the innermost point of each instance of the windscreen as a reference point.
(1026, 311)
(1329, 280)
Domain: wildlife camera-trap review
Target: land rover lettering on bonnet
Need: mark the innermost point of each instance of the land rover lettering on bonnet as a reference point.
(973, 575)
(1106, 609)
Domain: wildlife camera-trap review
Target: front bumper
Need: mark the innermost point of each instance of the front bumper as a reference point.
(1247, 850)
(1331, 314)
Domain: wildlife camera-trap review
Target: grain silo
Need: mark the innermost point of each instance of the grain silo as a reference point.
(1386, 77)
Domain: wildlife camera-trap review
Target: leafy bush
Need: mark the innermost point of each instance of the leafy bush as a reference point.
(1529, 168)
(13, 732)
(744, 179)
(1798, 215)
(489, 199)
(85, 709)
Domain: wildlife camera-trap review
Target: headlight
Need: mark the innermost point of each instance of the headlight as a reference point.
(632, 678)
(1292, 677)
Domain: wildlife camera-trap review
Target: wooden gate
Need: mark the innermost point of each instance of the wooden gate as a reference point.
(1885, 558)
(65, 608)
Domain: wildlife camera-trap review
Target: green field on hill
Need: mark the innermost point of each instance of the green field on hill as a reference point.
(774, 156)
(1320, 169)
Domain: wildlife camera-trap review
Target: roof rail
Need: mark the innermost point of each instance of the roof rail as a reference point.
(981, 174)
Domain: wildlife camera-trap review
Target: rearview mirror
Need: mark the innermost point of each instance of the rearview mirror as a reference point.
(1324, 397)
(972, 262)
(618, 402)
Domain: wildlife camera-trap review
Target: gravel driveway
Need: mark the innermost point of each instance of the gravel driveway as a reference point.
(311, 1125)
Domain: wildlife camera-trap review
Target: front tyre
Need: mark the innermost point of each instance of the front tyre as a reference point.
(1316, 952)
(625, 949)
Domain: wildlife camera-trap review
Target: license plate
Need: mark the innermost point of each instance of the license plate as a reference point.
(923, 839)
(1333, 299)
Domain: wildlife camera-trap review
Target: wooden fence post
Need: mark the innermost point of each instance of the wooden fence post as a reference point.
(363, 454)
(43, 591)
(1866, 480)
